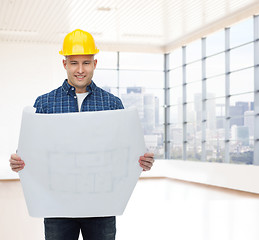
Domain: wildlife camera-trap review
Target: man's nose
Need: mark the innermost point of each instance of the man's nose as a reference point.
(80, 68)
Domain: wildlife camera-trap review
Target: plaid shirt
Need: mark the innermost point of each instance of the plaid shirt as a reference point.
(64, 100)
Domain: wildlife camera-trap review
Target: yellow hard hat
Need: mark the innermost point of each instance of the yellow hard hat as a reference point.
(78, 42)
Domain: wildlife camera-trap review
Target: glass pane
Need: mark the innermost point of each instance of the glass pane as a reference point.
(176, 115)
(211, 114)
(141, 78)
(193, 72)
(242, 81)
(176, 94)
(241, 104)
(106, 78)
(193, 51)
(191, 115)
(215, 151)
(193, 91)
(176, 146)
(149, 109)
(241, 33)
(143, 61)
(215, 65)
(215, 43)
(241, 147)
(176, 77)
(106, 60)
(215, 124)
(175, 58)
(216, 86)
(143, 98)
(247, 121)
(154, 142)
(193, 152)
(242, 57)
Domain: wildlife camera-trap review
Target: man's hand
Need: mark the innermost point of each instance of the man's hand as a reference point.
(16, 163)
(146, 161)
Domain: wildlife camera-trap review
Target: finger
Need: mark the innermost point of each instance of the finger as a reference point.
(16, 162)
(147, 159)
(17, 165)
(145, 167)
(145, 164)
(15, 157)
(17, 169)
(151, 155)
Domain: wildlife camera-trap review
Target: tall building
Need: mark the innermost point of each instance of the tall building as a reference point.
(237, 113)
(249, 122)
(210, 110)
(147, 105)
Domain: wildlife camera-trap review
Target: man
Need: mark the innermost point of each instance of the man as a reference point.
(79, 93)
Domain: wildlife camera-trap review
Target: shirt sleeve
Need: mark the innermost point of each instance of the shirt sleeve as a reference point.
(118, 104)
(38, 105)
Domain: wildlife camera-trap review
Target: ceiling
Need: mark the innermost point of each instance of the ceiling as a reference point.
(120, 25)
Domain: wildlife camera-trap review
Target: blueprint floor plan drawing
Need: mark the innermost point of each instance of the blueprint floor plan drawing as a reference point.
(88, 170)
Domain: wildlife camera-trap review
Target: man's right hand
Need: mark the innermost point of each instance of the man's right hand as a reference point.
(16, 163)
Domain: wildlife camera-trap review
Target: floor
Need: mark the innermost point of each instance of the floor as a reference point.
(159, 209)
(170, 209)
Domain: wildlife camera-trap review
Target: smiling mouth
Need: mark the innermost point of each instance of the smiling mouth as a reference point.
(80, 77)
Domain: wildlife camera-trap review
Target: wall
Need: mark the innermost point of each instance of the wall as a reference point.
(27, 71)
(15, 223)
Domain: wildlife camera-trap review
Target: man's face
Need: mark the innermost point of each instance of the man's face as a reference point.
(80, 70)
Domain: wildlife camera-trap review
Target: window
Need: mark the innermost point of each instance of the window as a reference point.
(212, 97)
(138, 79)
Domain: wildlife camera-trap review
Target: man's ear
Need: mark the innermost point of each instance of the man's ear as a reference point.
(65, 63)
(95, 63)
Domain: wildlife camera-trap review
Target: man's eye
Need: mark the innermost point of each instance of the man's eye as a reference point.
(87, 63)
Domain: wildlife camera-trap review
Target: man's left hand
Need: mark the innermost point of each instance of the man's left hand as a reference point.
(146, 161)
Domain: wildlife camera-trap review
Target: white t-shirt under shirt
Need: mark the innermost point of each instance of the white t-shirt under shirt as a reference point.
(80, 99)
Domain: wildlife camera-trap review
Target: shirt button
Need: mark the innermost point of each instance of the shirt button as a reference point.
(74, 96)
(73, 89)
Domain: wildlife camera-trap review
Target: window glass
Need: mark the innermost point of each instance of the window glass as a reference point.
(242, 81)
(193, 51)
(148, 79)
(176, 95)
(242, 57)
(241, 32)
(193, 146)
(215, 65)
(176, 77)
(175, 58)
(193, 91)
(193, 71)
(215, 150)
(176, 115)
(241, 147)
(215, 43)
(143, 61)
(106, 60)
(176, 148)
(191, 113)
(215, 86)
(241, 103)
(150, 112)
(106, 78)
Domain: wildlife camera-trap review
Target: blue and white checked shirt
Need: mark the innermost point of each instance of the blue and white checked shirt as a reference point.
(64, 100)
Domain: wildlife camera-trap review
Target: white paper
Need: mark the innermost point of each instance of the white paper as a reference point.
(80, 164)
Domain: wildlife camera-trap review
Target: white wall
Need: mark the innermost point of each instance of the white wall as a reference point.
(27, 71)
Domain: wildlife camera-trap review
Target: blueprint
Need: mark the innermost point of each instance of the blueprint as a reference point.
(79, 164)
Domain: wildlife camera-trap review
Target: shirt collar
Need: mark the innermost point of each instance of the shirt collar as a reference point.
(71, 90)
